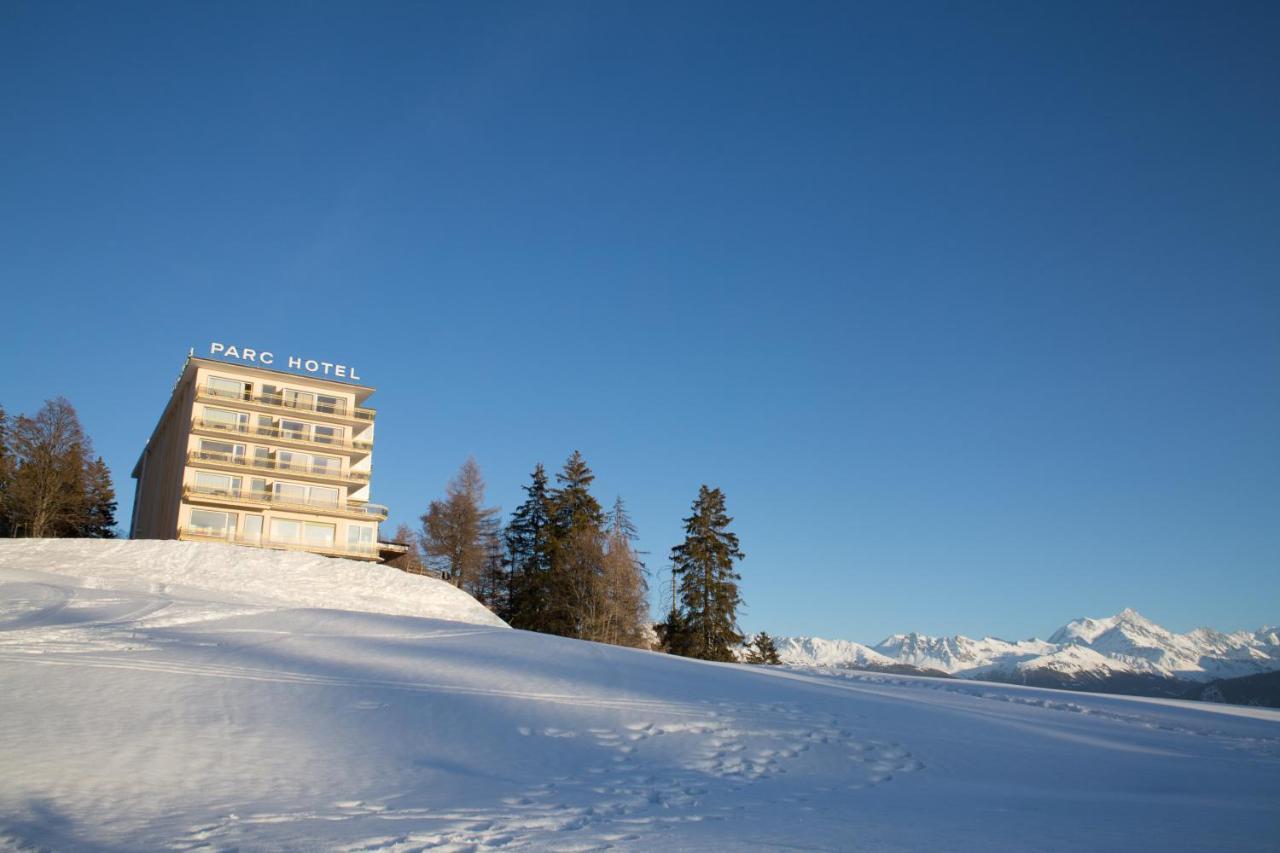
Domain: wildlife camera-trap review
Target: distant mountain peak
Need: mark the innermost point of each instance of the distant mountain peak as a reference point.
(1126, 644)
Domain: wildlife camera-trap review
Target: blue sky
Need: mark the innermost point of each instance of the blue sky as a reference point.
(972, 310)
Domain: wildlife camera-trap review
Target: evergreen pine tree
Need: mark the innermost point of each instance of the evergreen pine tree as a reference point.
(577, 553)
(528, 541)
(493, 588)
(673, 634)
(100, 502)
(708, 588)
(762, 650)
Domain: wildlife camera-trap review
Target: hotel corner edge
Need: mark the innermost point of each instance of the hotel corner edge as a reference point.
(254, 456)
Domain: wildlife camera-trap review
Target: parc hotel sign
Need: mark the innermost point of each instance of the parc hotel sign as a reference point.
(268, 359)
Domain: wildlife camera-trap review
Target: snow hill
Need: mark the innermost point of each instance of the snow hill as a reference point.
(1126, 644)
(243, 575)
(194, 697)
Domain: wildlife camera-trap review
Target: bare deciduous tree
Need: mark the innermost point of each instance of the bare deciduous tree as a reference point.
(457, 531)
(47, 491)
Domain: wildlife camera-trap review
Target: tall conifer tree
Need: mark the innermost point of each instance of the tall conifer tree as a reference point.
(528, 541)
(100, 502)
(577, 552)
(706, 624)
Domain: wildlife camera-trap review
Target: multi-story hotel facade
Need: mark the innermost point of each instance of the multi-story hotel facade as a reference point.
(255, 456)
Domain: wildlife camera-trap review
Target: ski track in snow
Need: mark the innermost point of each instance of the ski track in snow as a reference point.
(649, 769)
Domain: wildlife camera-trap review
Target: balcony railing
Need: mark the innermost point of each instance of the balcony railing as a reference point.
(279, 401)
(266, 498)
(201, 534)
(328, 472)
(278, 434)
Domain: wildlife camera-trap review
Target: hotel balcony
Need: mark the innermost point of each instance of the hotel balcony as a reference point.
(277, 403)
(275, 435)
(355, 552)
(253, 498)
(232, 462)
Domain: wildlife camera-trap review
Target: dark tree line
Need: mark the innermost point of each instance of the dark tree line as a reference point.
(51, 483)
(564, 565)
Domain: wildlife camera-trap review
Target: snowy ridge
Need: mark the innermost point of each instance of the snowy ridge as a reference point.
(1126, 643)
(816, 651)
(241, 574)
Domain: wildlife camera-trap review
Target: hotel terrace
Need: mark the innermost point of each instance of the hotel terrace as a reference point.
(255, 456)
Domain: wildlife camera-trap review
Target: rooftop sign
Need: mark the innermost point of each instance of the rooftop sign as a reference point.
(266, 358)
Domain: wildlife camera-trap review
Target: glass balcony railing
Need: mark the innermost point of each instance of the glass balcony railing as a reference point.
(328, 472)
(270, 498)
(206, 534)
(279, 434)
(337, 409)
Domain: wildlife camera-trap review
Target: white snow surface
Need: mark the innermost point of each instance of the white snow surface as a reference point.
(236, 573)
(1124, 643)
(139, 713)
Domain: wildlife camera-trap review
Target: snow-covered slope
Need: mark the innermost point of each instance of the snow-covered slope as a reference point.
(139, 716)
(1126, 643)
(233, 573)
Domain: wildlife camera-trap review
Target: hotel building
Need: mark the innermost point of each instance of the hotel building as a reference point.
(255, 456)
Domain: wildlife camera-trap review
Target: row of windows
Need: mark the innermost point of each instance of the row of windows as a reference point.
(290, 460)
(208, 522)
(229, 485)
(238, 389)
(266, 425)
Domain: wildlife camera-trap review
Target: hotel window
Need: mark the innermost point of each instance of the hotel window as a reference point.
(233, 389)
(297, 493)
(287, 460)
(291, 461)
(226, 419)
(328, 434)
(209, 523)
(221, 450)
(262, 458)
(329, 465)
(272, 394)
(258, 489)
(359, 537)
(318, 534)
(253, 528)
(331, 405)
(299, 399)
(309, 532)
(266, 425)
(291, 493)
(295, 429)
(217, 484)
(285, 530)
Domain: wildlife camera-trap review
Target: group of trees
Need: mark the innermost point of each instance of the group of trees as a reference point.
(564, 565)
(51, 483)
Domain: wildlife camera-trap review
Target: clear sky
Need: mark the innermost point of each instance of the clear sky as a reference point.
(972, 309)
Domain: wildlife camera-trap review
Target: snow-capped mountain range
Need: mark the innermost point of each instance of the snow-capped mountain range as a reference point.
(1126, 644)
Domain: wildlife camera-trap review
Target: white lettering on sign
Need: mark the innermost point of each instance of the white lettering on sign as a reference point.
(266, 357)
